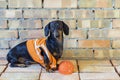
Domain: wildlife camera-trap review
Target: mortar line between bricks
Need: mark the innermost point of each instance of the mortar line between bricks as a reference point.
(113, 4)
(78, 4)
(40, 73)
(115, 68)
(7, 5)
(78, 69)
(25, 8)
(43, 4)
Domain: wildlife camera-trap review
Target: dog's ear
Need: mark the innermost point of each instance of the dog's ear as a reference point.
(47, 29)
(65, 29)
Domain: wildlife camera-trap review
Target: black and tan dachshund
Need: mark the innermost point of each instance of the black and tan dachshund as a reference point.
(19, 56)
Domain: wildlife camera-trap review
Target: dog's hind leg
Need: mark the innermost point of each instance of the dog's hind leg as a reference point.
(27, 62)
(16, 63)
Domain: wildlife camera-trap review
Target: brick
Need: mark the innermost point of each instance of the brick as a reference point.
(25, 3)
(70, 23)
(60, 4)
(96, 69)
(94, 63)
(9, 34)
(40, 13)
(71, 43)
(110, 53)
(2, 68)
(99, 76)
(3, 53)
(75, 14)
(115, 54)
(13, 43)
(101, 54)
(116, 62)
(116, 44)
(114, 33)
(118, 69)
(34, 68)
(104, 33)
(116, 23)
(3, 4)
(77, 34)
(94, 23)
(83, 14)
(3, 62)
(107, 14)
(21, 24)
(97, 33)
(117, 5)
(3, 24)
(100, 23)
(95, 4)
(94, 43)
(45, 22)
(77, 53)
(10, 13)
(84, 24)
(31, 34)
(95, 66)
(23, 76)
(4, 44)
(66, 14)
(58, 76)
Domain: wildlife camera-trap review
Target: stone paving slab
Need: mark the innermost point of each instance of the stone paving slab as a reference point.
(73, 62)
(89, 70)
(17, 79)
(3, 62)
(95, 66)
(96, 69)
(19, 76)
(118, 69)
(31, 68)
(116, 64)
(99, 76)
(94, 62)
(3, 53)
(2, 68)
(58, 76)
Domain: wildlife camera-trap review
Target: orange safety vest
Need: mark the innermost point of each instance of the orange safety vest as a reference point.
(33, 47)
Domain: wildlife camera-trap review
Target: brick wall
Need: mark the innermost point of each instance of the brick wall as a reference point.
(94, 25)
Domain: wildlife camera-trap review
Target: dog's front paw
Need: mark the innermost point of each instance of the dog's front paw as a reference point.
(51, 71)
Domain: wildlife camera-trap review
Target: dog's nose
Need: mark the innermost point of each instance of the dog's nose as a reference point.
(57, 36)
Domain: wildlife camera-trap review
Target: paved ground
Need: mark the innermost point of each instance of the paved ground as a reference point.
(84, 70)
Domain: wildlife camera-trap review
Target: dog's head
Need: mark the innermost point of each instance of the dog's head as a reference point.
(56, 29)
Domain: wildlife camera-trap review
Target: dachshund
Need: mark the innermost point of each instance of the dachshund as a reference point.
(49, 53)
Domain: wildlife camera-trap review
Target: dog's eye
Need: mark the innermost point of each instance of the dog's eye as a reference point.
(56, 24)
(60, 27)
